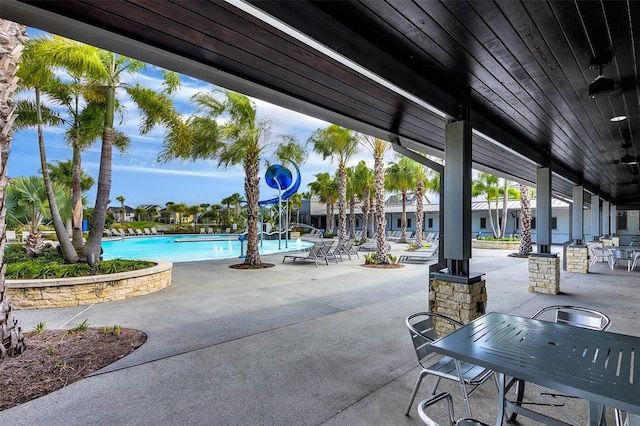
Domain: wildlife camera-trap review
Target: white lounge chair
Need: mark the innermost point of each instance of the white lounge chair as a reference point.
(147, 231)
(314, 255)
(11, 237)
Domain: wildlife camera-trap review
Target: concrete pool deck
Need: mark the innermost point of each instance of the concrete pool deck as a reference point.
(293, 344)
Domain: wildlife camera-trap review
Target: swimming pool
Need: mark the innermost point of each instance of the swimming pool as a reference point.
(187, 248)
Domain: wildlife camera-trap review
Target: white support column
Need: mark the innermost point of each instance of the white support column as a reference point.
(595, 217)
(613, 221)
(577, 215)
(605, 218)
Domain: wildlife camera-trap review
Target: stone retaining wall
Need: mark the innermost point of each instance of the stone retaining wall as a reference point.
(64, 292)
(500, 245)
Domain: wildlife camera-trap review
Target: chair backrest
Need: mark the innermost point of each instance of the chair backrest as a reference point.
(315, 250)
(11, 236)
(422, 328)
(577, 316)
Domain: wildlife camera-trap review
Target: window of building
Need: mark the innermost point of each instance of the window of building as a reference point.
(430, 222)
(357, 223)
(483, 223)
(408, 222)
(621, 221)
(533, 223)
(554, 223)
(399, 223)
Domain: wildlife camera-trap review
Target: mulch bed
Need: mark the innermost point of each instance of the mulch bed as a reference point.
(55, 358)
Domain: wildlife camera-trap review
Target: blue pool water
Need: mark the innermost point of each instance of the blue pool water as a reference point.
(187, 248)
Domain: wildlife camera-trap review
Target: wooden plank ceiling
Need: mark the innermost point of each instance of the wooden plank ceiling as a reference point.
(522, 69)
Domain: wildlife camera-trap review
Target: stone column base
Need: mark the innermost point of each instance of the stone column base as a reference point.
(578, 259)
(544, 273)
(460, 301)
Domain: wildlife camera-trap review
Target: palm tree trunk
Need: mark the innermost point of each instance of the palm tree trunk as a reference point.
(419, 215)
(352, 218)
(505, 210)
(342, 201)
(493, 227)
(525, 217)
(329, 222)
(12, 38)
(381, 238)
(403, 235)
(68, 251)
(365, 212)
(252, 193)
(76, 201)
(104, 180)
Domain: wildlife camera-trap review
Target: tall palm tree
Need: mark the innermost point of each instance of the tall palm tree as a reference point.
(106, 69)
(228, 201)
(487, 184)
(341, 145)
(351, 197)
(525, 218)
(363, 184)
(326, 189)
(12, 37)
(401, 177)
(378, 148)
(63, 172)
(296, 205)
(122, 210)
(508, 192)
(240, 140)
(421, 181)
(36, 74)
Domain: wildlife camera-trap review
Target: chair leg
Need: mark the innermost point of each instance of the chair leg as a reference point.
(421, 376)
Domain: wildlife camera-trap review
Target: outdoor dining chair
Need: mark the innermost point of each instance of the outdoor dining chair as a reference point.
(422, 328)
(601, 254)
(422, 406)
(576, 316)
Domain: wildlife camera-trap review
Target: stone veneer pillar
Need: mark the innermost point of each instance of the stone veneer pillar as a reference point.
(544, 273)
(460, 301)
(578, 259)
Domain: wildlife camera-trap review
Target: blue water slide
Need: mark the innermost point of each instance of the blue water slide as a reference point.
(278, 175)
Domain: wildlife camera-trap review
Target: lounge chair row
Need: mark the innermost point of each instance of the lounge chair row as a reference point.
(324, 251)
(115, 232)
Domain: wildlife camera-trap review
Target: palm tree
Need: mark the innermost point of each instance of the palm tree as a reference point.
(62, 172)
(487, 184)
(351, 197)
(326, 189)
(36, 74)
(363, 184)
(28, 208)
(179, 209)
(296, 204)
(106, 69)
(401, 177)
(193, 212)
(525, 218)
(421, 179)
(139, 212)
(378, 147)
(122, 210)
(508, 192)
(11, 42)
(169, 206)
(240, 139)
(340, 144)
(227, 202)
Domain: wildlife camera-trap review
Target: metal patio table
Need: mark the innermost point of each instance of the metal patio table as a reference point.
(599, 366)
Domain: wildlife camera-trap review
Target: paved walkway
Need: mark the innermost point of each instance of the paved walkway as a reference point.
(290, 345)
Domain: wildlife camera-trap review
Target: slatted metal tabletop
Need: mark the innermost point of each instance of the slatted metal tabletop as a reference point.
(601, 367)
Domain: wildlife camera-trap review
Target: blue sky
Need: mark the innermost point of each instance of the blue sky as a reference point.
(140, 179)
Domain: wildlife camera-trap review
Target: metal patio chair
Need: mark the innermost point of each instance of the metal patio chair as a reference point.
(602, 254)
(422, 328)
(422, 405)
(576, 316)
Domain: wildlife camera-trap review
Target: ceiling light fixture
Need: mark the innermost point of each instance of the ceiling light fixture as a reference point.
(601, 86)
(618, 118)
(629, 159)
